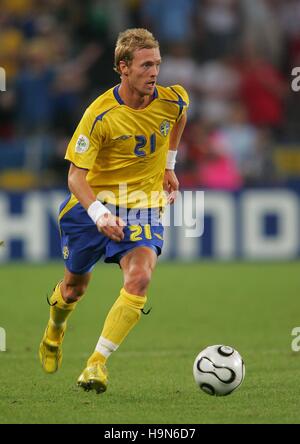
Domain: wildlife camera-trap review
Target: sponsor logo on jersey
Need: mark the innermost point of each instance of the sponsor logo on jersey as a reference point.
(164, 128)
(124, 137)
(82, 144)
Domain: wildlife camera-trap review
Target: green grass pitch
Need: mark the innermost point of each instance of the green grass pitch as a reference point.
(253, 307)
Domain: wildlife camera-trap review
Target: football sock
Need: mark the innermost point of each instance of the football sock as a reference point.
(122, 317)
(59, 312)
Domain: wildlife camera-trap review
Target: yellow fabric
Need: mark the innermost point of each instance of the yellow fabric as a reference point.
(96, 357)
(59, 313)
(70, 204)
(123, 316)
(58, 300)
(94, 377)
(121, 145)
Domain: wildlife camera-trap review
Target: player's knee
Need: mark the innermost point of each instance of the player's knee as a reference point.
(138, 280)
(74, 292)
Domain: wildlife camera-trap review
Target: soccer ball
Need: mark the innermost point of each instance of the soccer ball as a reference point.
(219, 370)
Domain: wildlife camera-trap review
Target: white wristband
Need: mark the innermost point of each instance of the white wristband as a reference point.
(96, 210)
(171, 159)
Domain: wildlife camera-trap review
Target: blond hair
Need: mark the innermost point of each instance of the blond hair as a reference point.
(131, 40)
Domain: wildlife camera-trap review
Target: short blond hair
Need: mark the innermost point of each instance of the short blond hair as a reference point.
(131, 40)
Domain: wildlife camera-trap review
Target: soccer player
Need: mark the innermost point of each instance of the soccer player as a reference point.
(121, 155)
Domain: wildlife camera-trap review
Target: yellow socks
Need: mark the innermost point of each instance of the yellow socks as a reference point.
(59, 312)
(122, 317)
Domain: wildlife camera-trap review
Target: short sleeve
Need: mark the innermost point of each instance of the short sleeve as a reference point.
(86, 142)
(183, 99)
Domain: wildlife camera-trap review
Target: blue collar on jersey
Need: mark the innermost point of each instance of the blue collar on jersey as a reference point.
(120, 101)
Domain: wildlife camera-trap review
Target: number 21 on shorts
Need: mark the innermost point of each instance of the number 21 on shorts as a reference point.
(137, 230)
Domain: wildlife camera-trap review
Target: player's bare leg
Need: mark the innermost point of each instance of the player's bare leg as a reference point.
(63, 301)
(137, 267)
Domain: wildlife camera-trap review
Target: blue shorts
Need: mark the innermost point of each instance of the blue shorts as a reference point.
(83, 245)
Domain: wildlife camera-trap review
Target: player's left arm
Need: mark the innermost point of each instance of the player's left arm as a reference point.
(171, 184)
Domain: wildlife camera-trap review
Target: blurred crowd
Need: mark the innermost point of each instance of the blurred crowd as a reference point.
(235, 58)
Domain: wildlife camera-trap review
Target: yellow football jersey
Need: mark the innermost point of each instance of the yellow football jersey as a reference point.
(125, 149)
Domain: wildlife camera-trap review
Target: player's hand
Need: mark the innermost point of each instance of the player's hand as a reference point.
(171, 185)
(111, 226)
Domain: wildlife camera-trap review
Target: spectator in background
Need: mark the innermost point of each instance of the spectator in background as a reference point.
(34, 88)
(180, 67)
(57, 56)
(217, 85)
(66, 99)
(263, 169)
(170, 20)
(261, 25)
(289, 20)
(71, 82)
(208, 163)
(218, 27)
(262, 89)
(250, 147)
(241, 141)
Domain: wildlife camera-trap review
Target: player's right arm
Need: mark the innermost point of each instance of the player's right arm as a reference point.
(110, 225)
(82, 152)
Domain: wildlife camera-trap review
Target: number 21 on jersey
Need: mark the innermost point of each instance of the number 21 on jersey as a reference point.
(141, 142)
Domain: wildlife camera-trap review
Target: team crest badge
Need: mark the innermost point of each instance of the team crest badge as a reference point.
(82, 144)
(65, 252)
(164, 128)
